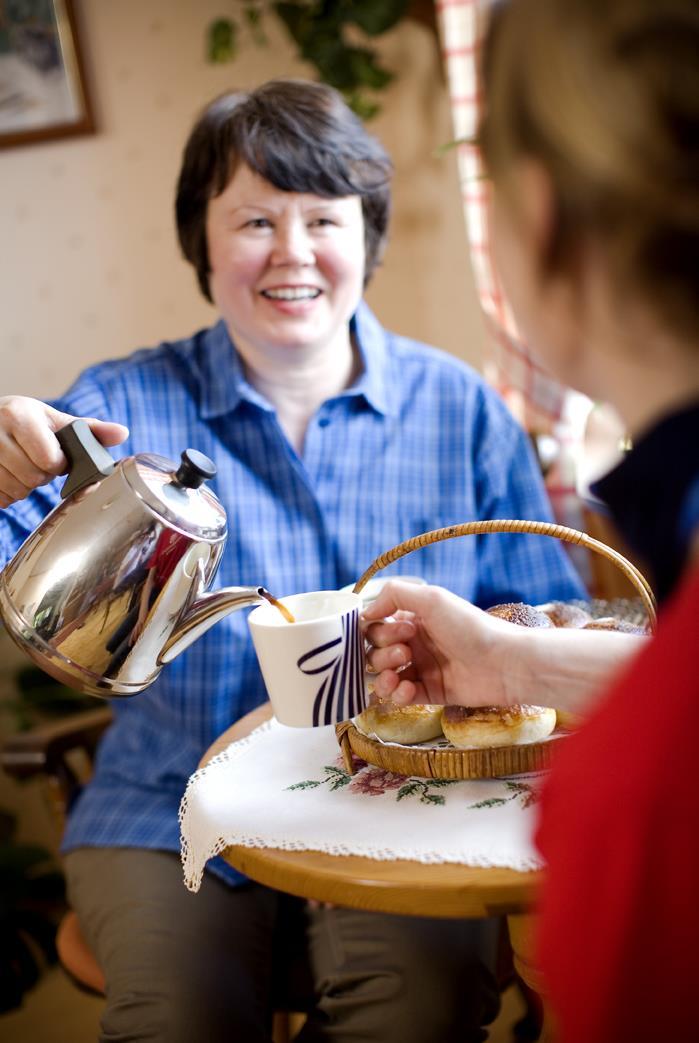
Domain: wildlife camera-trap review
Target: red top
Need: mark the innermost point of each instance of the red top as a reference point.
(619, 926)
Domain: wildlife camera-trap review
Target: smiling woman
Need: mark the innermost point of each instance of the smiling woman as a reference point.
(328, 438)
(298, 137)
(287, 271)
(285, 226)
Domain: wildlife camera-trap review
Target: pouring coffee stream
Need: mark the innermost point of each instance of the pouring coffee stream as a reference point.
(279, 605)
(114, 582)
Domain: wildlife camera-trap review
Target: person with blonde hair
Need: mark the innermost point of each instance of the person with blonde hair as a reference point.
(591, 138)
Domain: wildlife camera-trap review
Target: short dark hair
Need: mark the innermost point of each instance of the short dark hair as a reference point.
(298, 135)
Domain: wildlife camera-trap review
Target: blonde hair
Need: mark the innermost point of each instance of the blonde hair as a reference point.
(605, 93)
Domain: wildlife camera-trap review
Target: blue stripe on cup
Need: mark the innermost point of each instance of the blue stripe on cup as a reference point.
(341, 694)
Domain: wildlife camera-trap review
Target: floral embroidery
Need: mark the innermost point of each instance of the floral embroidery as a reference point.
(374, 782)
(337, 777)
(522, 791)
(421, 788)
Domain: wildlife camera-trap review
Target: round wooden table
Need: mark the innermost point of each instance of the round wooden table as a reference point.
(404, 887)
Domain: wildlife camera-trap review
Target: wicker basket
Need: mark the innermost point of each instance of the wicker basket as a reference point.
(495, 762)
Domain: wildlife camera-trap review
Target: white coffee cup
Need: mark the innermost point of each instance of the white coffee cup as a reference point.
(313, 669)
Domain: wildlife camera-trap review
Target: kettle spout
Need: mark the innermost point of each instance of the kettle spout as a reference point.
(206, 610)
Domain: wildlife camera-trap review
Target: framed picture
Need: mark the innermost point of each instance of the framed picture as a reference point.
(42, 86)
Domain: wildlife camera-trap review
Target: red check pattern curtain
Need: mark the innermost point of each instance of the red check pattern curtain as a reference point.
(540, 403)
(536, 398)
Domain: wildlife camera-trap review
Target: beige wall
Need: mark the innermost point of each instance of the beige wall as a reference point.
(89, 257)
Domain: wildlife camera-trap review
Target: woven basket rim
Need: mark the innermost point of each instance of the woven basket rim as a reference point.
(521, 527)
(448, 762)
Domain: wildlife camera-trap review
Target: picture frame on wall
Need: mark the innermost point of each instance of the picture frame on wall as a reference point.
(42, 84)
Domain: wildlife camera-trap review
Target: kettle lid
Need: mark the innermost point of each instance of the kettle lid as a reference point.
(178, 495)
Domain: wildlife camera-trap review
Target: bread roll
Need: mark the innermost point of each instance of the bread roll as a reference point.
(562, 614)
(523, 615)
(612, 623)
(404, 724)
(482, 726)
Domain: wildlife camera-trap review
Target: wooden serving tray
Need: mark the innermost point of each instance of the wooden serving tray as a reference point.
(433, 762)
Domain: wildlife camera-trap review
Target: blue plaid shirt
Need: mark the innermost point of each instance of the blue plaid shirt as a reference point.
(418, 442)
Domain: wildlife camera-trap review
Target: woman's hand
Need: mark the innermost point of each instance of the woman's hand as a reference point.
(30, 455)
(435, 648)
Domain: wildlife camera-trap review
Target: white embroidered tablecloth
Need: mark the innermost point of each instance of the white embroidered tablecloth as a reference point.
(288, 788)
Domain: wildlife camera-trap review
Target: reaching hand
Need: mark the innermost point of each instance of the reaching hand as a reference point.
(30, 455)
(435, 648)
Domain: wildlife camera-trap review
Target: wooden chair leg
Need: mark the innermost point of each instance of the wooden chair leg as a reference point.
(286, 1025)
(281, 1028)
(520, 928)
(77, 957)
(530, 1026)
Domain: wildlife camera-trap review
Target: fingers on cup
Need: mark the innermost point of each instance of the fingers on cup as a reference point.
(390, 632)
(406, 692)
(385, 684)
(391, 658)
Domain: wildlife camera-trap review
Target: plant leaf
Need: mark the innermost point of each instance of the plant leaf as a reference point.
(361, 105)
(298, 18)
(376, 16)
(252, 14)
(221, 40)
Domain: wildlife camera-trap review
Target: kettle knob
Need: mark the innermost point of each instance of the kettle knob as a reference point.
(88, 459)
(195, 469)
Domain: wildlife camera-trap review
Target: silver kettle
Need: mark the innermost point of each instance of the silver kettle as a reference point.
(113, 583)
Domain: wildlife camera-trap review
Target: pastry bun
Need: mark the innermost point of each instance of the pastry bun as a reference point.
(404, 724)
(622, 626)
(483, 726)
(562, 614)
(523, 615)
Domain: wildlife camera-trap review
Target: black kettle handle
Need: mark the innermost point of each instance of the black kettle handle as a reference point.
(88, 460)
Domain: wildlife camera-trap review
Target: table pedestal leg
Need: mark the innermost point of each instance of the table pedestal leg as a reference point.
(521, 930)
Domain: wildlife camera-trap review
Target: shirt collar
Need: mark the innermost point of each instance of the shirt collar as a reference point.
(374, 383)
(222, 380)
(223, 385)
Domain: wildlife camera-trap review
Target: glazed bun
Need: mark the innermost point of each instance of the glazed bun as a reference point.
(404, 724)
(612, 623)
(482, 726)
(562, 614)
(523, 615)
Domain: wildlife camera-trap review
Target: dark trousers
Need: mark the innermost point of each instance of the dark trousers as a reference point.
(209, 967)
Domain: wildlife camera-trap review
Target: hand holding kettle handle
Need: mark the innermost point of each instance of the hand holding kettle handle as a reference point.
(88, 460)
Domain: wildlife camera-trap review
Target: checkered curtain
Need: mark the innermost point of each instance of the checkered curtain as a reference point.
(539, 402)
(536, 398)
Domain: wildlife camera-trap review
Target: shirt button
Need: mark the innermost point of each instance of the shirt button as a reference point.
(324, 421)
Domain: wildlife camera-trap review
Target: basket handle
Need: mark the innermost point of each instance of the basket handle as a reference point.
(559, 532)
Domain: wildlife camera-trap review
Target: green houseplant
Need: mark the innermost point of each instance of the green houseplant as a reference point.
(334, 36)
